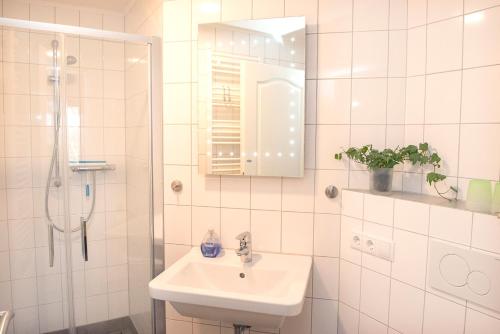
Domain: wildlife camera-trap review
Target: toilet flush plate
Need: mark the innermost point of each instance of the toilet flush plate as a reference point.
(466, 274)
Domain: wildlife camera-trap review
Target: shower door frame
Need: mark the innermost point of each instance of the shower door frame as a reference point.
(155, 138)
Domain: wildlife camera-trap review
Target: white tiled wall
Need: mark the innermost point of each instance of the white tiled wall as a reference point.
(96, 127)
(285, 215)
(450, 94)
(370, 66)
(396, 296)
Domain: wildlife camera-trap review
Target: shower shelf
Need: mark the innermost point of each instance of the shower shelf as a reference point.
(89, 166)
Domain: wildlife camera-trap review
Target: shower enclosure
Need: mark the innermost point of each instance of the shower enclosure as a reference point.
(81, 230)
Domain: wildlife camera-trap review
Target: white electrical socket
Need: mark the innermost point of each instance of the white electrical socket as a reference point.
(356, 240)
(369, 244)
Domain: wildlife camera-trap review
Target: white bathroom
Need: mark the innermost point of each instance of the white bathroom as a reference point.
(250, 166)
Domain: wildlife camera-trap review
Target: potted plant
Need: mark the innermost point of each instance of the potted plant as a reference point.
(381, 164)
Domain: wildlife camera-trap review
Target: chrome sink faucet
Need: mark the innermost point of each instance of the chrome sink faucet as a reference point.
(245, 251)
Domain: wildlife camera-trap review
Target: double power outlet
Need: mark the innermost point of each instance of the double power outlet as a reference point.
(372, 245)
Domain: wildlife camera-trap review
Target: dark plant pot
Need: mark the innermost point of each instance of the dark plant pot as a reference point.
(381, 180)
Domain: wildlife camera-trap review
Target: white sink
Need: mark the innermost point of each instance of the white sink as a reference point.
(261, 293)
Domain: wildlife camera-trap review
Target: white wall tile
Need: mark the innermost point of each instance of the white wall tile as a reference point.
(16, 10)
(90, 19)
(485, 163)
(297, 233)
(479, 29)
(266, 230)
(450, 224)
(177, 103)
(268, 9)
(233, 222)
(472, 5)
(335, 15)
(415, 100)
(348, 322)
(352, 204)
(26, 320)
(334, 55)
(485, 232)
(236, 10)
(479, 99)
(324, 316)
(327, 235)
(235, 192)
(334, 101)
(349, 284)
(370, 52)
(375, 292)
(417, 12)
(325, 278)
(442, 316)
(397, 53)
(178, 67)
(298, 193)
(442, 98)
(370, 15)
(439, 9)
(406, 308)
(97, 308)
(369, 101)
(369, 325)
(477, 322)
(205, 189)
(444, 45)
(416, 50)
(24, 292)
(379, 209)
(410, 258)
(68, 16)
(411, 216)
(177, 224)
(266, 193)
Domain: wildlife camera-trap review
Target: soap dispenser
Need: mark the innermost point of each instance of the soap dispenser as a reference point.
(210, 245)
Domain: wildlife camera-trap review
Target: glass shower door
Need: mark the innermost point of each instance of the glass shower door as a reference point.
(33, 183)
(75, 182)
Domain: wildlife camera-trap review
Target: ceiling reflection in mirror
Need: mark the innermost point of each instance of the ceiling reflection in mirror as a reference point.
(251, 87)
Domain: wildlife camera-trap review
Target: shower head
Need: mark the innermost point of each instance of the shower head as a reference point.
(71, 60)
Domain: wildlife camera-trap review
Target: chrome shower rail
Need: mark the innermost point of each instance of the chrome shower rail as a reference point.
(73, 30)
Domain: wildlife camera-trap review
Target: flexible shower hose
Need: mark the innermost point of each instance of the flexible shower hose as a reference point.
(54, 162)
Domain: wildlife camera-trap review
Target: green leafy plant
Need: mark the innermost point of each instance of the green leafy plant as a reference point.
(388, 158)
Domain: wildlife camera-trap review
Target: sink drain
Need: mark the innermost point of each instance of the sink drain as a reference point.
(242, 275)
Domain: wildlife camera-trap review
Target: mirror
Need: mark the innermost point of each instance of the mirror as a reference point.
(251, 87)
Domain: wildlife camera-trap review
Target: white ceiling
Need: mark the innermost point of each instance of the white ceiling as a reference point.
(108, 5)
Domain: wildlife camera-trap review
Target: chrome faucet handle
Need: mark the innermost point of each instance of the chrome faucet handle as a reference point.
(244, 237)
(245, 251)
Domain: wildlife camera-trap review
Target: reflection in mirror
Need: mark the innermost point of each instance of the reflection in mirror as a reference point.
(251, 78)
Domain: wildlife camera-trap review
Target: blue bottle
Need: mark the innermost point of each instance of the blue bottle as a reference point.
(210, 246)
